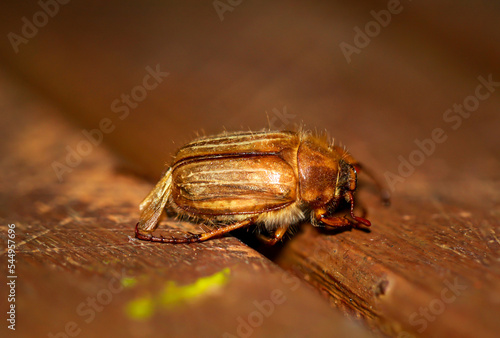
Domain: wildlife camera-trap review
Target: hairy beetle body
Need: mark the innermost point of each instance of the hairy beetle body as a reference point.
(273, 179)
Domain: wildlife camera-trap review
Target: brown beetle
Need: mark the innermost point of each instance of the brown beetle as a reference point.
(272, 179)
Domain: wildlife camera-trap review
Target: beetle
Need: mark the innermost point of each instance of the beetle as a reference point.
(273, 179)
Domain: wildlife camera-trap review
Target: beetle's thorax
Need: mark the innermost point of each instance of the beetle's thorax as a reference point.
(319, 172)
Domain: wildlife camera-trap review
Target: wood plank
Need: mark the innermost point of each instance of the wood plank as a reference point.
(434, 273)
(80, 272)
(443, 225)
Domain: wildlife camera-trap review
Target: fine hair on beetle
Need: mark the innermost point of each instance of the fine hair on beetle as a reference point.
(271, 179)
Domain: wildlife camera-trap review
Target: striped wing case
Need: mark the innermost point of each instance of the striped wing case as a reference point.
(239, 173)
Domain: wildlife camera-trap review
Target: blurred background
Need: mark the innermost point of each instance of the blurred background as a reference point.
(410, 87)
(375, 74)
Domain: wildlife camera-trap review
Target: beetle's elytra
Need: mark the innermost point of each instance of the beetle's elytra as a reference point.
(271, 179)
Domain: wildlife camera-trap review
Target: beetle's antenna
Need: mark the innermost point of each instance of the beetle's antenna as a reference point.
(357, 218)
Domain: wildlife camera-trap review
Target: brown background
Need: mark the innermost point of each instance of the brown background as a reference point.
(234, 74)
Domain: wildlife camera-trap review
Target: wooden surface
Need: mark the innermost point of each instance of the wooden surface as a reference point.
(429, 266)
(79, 270)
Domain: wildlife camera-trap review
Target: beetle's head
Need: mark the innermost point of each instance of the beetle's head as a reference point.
(347, 177)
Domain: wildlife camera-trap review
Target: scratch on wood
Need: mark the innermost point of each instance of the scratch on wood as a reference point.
(30, 239)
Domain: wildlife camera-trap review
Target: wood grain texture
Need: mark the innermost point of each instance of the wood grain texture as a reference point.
(436, 276)
(81, 273)
(429, 266)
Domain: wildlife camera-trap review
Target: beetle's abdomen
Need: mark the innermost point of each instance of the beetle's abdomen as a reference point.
(244, 184)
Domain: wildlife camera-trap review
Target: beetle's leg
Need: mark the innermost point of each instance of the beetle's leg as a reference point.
(358, 219)
(344, 222)
(334, 221)
(193, 238)
(337, 221)
(278, 235)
